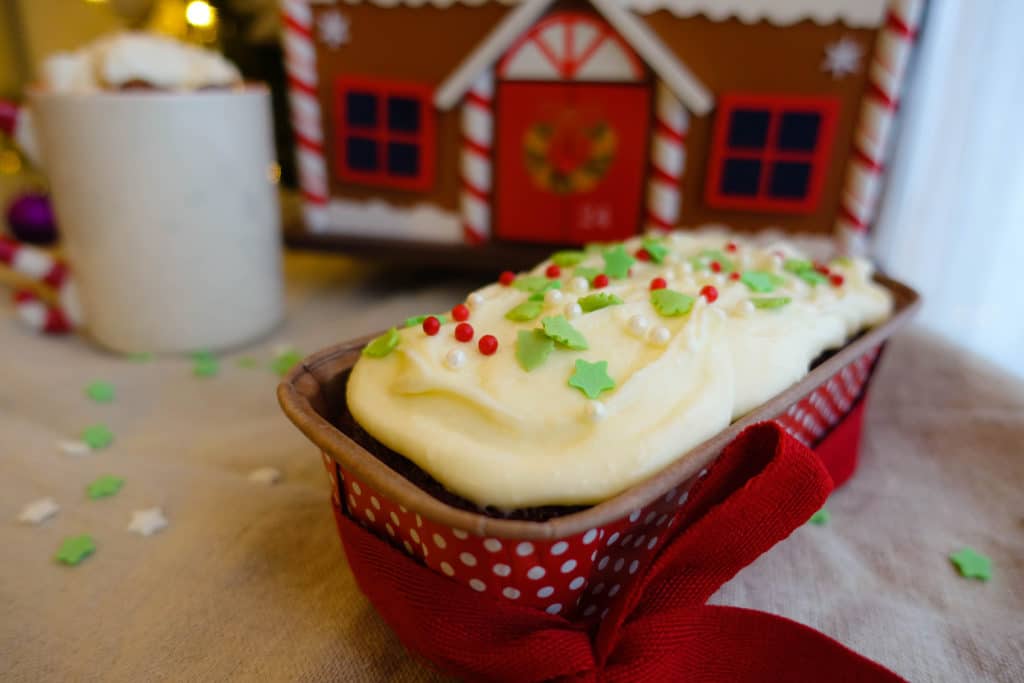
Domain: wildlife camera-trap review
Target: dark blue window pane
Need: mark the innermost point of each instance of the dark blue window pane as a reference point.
(748, 128)
(798, 131)
(361, 109)
(361, 154)
(790, 180)
(403, 159)
(741, 177)
(403, 115)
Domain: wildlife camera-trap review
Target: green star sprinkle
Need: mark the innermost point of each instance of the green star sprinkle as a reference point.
(591, 378)
(533, 348)
(101, 392)
(559, 329)
(704, 258)
(670, 303)
(203, 354)
(417, 320)
(587, 272)
(206, 367)
(656, 249)
(248, 362)
(383, 345)
(286, 361)
(144, 357)
(526, 311)
(617, 262)
(760, 281)
(567, 258)
(535, 283)
(971, 564)
(97, 436)
(595, 302)
(74, 549)
(821, 517)
(771, 301)
(104, 486)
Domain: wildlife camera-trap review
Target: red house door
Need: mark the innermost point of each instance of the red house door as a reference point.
(571, 150)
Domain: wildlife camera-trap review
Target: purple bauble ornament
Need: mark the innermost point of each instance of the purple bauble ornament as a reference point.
(30, 218)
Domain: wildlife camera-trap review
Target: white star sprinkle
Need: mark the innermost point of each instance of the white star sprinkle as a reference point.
(333, 29)
(76, 448)
(148, 522)
(265, 475)
(842, 58)
(38, 511)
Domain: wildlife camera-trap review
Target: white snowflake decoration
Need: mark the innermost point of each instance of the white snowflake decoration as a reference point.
(333, 29)
(147, 522)
(842, 58)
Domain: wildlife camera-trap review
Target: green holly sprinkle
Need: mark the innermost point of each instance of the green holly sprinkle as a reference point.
(526, 311)
(535, 283)
(617, 262)
(796, 265)
(383, 345)
(74, 549)
(591, 378)
(670, 303)
(206, 367)
(760, 281)
(533, 348)
(811, 277)
(567, 258)
(101, 392)
(821, 517)
(587, 272)
(203, 354)
(97, 436)
(417, 320)
(595, 302)
(248, 362)
(286, 361)
(559, 329)
(704, 259)
(656, 249)
(971, 564)
(771, 302)
(104, 487)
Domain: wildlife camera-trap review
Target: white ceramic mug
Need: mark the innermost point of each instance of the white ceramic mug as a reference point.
(168, 211)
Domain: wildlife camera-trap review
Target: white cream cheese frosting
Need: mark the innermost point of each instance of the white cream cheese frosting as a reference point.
(498, 434)
(134, 57)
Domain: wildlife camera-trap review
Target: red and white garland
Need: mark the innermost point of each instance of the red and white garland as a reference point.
(40, 267)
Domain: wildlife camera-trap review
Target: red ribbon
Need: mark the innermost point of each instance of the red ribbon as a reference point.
(765, 485)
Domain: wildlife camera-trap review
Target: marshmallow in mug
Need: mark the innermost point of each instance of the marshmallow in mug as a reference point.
(123, 59)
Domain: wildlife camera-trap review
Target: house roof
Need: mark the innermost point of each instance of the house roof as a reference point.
(853, 13)
(679, 79)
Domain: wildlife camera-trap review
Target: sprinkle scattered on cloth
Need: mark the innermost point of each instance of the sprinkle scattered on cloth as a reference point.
(38, 511)
(104, 486)
(147, 522)
(248, 362)
(101, 392)
(97, 436)
(821, 517)
(74, 549)
(285, 361)
(76, 448)
(265, 475)
(971, 564)
(141, 357)
(206, 367)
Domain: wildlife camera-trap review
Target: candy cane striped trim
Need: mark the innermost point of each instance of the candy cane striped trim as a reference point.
(307, 120)
(39, 266)
(873, 134)
(476, 171)
(668, 159)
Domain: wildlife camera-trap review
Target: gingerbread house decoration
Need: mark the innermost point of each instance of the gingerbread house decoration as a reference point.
(564, 121)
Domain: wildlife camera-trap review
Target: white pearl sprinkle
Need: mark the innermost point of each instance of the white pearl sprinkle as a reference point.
(579, 284)
(455, 359)
(745, 307)
(669, 276)
(596, 411)
(475, 299)
(719, 279)
(553, 297)
(660, 335)
(687, 267)
(638, 324)
(573, 310)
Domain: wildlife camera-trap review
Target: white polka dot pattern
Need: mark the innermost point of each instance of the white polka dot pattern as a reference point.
(583, 576)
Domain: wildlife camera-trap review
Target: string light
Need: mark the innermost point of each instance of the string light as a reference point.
(200, 14)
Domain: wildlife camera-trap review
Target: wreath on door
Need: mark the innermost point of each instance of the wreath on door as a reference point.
(566, 157)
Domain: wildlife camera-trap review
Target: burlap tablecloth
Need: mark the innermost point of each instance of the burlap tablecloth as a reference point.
(249, 582)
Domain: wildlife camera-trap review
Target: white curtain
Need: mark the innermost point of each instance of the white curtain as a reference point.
(952, 222)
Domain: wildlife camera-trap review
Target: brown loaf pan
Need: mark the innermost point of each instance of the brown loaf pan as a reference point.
(313, 394)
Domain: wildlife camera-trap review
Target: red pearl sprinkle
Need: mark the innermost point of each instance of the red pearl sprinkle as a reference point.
(488, 344)
(460, 312)
(821, 268)
(464, 332)
(734, 276)
(431, 325)
(658, 283)
(731, 247)
(836, 280)
(553, 271)
(643, 254)
(709, 293)
(507, 278)
(600, 281)
(716, 267)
